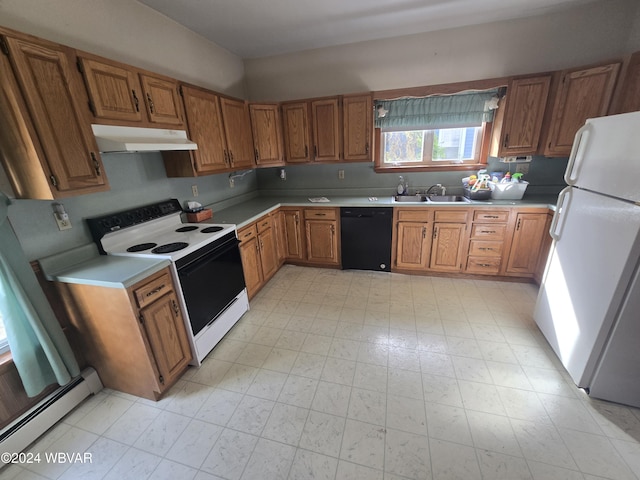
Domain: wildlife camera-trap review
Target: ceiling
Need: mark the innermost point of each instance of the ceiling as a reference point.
(260, 28)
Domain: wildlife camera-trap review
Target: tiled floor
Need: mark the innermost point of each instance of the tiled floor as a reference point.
(357, 375)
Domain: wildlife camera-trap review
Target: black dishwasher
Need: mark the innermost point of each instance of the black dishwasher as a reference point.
(366, 238)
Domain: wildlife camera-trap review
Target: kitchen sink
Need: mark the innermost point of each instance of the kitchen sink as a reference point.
(409, 198)
(448, 199)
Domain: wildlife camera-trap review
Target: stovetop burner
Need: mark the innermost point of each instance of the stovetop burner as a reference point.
(188, 228)
(170, 247)
(211, 229)
(141, 247)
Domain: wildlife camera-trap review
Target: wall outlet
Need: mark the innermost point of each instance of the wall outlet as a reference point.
(62, 221)
(232, 183)
(340, 174)
(522, 168)
(194, 190)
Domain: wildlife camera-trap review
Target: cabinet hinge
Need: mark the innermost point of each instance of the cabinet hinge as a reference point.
(54, 181)
(79, 65)
(3, 46)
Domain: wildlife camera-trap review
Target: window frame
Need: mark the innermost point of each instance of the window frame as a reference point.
(478, 163)
(4, 344)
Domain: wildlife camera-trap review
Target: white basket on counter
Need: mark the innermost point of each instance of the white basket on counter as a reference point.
(507, 191)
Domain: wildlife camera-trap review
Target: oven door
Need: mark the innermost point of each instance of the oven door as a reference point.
(211, 278)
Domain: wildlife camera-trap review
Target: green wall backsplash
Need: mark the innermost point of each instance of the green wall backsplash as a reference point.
(545, 177)
(135, 179)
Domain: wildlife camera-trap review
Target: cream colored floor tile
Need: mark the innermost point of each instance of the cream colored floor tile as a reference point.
(367, 406)
(162, 433)
(135, 464)
(219, 407)
(481, 397)
(308, 365)
(267, 384)
(230, 454)
(451, 460)
(441, 389)
(323, 433)
(497, 466)
(405, 383)
(337, 370)
(371, 377)
(407, 454)
(351, 471)
(406, 414)
(285, 424)
(363, 443)
(251, 415)
(298, 391)
(308, 465)
(269, 461)
(448, 423)
(332, 398)
(493, 432)
(194, 444)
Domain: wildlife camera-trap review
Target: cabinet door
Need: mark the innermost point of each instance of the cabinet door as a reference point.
(165, 329)
(357, 127)
(268, 253)
(292, 235)
(296, 132)
(162, 100)
(582, 94)
(322, 241)
(204, 121)
(630, 90)
(446, 249)
(114, 90)
(526, 243)
(56, 101)
(525, 106)
(326, 130)
(267, 134)
(250, 254)
(412, 251)
(237, 128)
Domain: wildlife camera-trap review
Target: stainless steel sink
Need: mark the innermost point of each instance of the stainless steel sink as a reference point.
(409, 198)
(448, 199)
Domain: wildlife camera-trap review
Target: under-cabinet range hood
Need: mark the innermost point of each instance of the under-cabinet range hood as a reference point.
(136, 139)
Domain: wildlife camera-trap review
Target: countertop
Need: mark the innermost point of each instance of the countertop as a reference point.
(246, 212)
(86, 266)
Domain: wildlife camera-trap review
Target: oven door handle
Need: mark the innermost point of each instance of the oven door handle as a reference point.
(200, 262)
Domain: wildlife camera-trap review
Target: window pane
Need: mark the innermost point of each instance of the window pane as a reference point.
(401, 147)
(455, 144)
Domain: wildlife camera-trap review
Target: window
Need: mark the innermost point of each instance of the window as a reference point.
(447, 132)
(431, 147)
(4, 345)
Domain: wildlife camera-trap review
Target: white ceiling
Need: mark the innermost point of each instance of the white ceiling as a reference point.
(259, 28)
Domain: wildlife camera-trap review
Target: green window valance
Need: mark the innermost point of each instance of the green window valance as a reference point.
(459, 110)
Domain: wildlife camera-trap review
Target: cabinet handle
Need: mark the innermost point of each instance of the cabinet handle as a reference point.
(257, 155)
(96, 164)
(484, 249)
(297, 218)
(150, 100)
(231, 157)
(155, 290)
(366, 148)
(518, 225)
(435, 232)
(176, 310)
(333, 229)
(491, 216)
(315, 151)
(54, 180)
(488, 231)
(319, 214)
(506, 140)
(226, 157)
(484, 265)
(161, 378)
(136, 102)
(306, 151)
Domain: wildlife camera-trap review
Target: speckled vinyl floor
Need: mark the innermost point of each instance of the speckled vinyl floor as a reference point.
(360, 375)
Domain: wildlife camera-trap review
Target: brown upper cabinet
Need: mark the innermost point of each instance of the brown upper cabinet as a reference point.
(295, 120)
(237, 129)
(325, 120)
(119, 93)
(357, 127)
(47, 146)
(582, 94)
(221, 128)
(267, 134)
(518, 123)
(629, 98)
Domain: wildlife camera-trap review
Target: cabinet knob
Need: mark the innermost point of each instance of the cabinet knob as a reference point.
(150, 101)
(96, 164)
(136, 102)
(176, 310)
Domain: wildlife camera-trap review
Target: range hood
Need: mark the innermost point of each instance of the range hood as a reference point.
(136, 139)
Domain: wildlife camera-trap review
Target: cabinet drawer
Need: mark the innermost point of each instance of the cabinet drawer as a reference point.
(496, 216)
(484, 247)
(489, 231)
(320, 213)
(153, 290)
(263, 224)
(414, 215)
(247, 233)
(487, 265)
(451, 216)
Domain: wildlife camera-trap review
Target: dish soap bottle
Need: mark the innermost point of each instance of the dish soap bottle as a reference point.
(401, 186)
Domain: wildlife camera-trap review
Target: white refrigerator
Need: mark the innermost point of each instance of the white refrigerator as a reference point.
(588, 307)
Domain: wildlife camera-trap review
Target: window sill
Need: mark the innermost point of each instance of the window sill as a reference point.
(430, 168)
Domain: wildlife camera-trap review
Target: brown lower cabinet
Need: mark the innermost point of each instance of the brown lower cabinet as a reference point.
(526, 243)
(321, 235)
(134, 337)
(258, 249)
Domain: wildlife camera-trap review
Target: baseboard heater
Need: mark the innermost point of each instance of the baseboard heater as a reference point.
(26, 429)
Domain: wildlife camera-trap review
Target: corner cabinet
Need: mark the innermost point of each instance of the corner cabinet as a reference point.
(47, 145)
(292, 233)
(134, 337)
(582, 94)
(259, 253)
(267, 134)
(629, 97)
(518, 124)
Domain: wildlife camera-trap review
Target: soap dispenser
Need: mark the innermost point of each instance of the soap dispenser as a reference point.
(401, 186)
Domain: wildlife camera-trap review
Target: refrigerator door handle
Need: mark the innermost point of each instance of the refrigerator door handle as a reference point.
(554, 231)
(576, 155)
